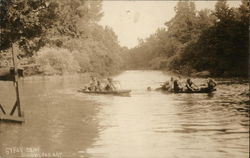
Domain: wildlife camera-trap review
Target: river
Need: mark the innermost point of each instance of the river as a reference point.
(60, 122)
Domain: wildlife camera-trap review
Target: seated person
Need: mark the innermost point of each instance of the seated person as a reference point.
(86, 88)
(110, 85)
(210, 85)
(191, 86)
(92, 84)
(177, 87)
(171, 83)
(99, 86)
(166, 86)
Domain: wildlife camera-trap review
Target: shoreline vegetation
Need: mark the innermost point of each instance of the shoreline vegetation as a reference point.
(58, 37)
(194, 42)
(86, 76)
(52, 38)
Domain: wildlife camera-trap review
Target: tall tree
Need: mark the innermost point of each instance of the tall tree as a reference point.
(77, 15)
(24, 20)
(200, 40)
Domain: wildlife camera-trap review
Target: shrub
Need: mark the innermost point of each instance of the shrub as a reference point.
(57, 61)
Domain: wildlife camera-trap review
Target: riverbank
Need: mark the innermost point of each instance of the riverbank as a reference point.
(54, 77)
(221, 80)
(84, 76)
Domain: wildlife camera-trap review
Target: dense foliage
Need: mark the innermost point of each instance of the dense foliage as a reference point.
(58, 32)
(193, 41)
(22, 20)
(56, 61)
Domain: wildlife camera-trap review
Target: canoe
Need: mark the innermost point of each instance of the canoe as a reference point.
(115, 92)
(198, 91)
(202, 90)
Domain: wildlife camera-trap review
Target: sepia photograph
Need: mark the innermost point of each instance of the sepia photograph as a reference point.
(124, 78)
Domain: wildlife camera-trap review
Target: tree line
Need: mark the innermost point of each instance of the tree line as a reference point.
(60, 36)
(192, 41)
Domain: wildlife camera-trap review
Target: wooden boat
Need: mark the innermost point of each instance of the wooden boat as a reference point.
(198, 91)
(115, 92)
(202, 90)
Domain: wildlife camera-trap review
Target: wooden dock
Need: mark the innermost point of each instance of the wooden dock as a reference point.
(9, 118)
(17, 106)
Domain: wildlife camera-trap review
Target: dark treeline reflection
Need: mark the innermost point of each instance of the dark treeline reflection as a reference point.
(212, 40)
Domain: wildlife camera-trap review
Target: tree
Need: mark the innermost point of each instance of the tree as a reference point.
(75, 16)
(182, 25)
(222, 48)
(200, 40)
(24, 20)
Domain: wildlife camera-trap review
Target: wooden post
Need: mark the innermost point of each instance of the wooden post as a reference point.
(11, 118)
(17, 104)
(2, 109)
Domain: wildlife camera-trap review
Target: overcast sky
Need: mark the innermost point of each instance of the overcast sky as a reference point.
(138, 19)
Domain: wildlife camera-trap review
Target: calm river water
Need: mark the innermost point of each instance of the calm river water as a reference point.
(60, 122)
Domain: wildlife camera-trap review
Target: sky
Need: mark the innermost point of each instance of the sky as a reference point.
(132, 20)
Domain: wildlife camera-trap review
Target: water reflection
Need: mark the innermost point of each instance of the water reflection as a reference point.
(153, 124)
(146, 124)
(57, 122)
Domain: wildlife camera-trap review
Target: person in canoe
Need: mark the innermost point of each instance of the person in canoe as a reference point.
(99, 87)
(166, 86)
(191, 86)
(110, 85)
(176, 86)
(93, 84)
(171, 83)
(211, 84)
